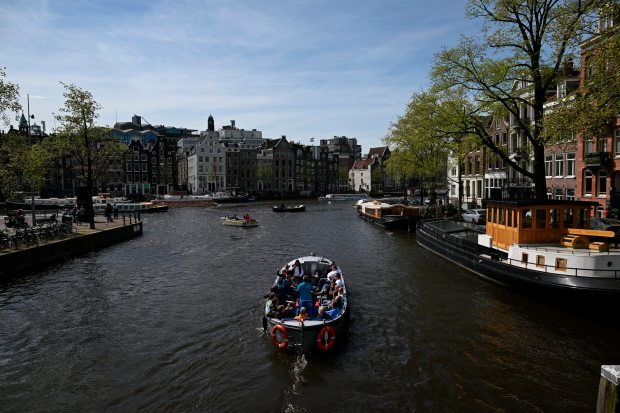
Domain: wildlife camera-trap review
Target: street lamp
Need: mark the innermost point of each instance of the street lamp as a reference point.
(30, 143)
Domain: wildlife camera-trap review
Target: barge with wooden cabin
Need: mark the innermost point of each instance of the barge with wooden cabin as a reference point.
(535, 245)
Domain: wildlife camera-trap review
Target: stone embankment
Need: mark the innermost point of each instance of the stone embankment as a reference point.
(17, 261)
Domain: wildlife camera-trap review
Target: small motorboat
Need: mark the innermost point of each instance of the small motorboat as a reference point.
(314, 334)
(236, 221)
(289, 208)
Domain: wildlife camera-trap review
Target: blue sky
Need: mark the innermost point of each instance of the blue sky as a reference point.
(297, 68)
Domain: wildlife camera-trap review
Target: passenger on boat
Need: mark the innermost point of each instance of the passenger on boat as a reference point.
(289, 310)
(303, 314)
(247, 216)
(283, 288)
(298, 271)
(305, 292)
(323, 313)
(272, 304)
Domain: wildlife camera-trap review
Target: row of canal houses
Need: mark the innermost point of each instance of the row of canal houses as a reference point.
(164, 159)
(580, 168)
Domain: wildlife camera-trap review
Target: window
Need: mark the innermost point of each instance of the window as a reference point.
(568, 218)
(554, 217)
(617, 141)
(587, 182)
(560, 264)
(540, 261)
(526, 218)
(570, 194)
(570, 164)
(559, 164)
(548, 165)
(557, 193)
(602, 145)
(524, 258)
(588, 146)
(602, 184)
(541, 218)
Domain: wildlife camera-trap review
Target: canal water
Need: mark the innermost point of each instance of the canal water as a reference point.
(171, 321)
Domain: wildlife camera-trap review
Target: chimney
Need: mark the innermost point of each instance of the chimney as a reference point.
(137, 120)
(43, 125)
(232, 123)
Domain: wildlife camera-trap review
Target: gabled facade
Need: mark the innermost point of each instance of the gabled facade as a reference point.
(360, 176)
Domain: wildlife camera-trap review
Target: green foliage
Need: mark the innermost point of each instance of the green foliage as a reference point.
(9, 98)
(516, 59)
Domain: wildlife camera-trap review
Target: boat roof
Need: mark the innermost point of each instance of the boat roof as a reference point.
(536, 202)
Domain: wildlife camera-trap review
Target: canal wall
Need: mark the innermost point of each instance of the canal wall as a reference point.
(21, 261)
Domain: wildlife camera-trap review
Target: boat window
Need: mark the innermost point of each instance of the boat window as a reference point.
(526, 218)
(540, 260)
(524, 258)
(582, 218)
(509, 217)
(541, 218)
(560, 264)
(502, 216)
(568, 218)
(515, 214)
(554, 217)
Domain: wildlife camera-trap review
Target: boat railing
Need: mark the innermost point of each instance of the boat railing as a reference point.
(572, 271)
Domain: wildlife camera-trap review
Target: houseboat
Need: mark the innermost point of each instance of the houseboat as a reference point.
(544, 246)
(313, 334)
(388, 214)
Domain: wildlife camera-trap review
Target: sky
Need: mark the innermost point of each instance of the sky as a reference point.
(304, 69)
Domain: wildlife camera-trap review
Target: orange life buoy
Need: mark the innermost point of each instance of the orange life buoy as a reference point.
(274, 336)
(326, 338)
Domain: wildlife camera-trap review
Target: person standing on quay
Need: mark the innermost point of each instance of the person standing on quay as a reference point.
(115, 207)
(108, 213)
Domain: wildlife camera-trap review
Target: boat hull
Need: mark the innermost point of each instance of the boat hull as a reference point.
(491, 265)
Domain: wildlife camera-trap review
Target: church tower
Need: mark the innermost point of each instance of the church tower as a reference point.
(210, 124)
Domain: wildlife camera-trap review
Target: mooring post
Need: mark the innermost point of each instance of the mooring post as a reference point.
(608, 390)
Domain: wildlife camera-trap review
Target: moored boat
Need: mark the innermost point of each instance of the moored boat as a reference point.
(143, 207)
(289, 208)
(540, 246)
(236, 221)
(343, 197)
(313, 334)
(389, 215)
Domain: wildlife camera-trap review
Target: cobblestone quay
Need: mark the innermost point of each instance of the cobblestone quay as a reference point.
(17, 261)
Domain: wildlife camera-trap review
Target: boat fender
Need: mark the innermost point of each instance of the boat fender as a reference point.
(283, 333)
(326, 338)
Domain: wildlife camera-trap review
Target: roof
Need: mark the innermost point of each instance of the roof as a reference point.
(537, 202)
(363, 163)
(380, 151)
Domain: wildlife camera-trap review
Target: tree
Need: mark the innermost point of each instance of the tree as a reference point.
(9, 98)
(435, 124)
(590, 109)
(521, 51)
(89, 145)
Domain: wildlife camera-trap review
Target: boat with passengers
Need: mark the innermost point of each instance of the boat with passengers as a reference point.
(543, 246)
(243, 222)
(327, 320)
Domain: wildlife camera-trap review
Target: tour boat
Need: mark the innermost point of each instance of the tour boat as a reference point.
(289, 208)
(236, 221)
(313, 334)
(343, 197)
(143, 207)
(543, 246)
(390, 215)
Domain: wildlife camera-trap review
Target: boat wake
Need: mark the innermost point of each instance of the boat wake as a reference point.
(291, 395)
